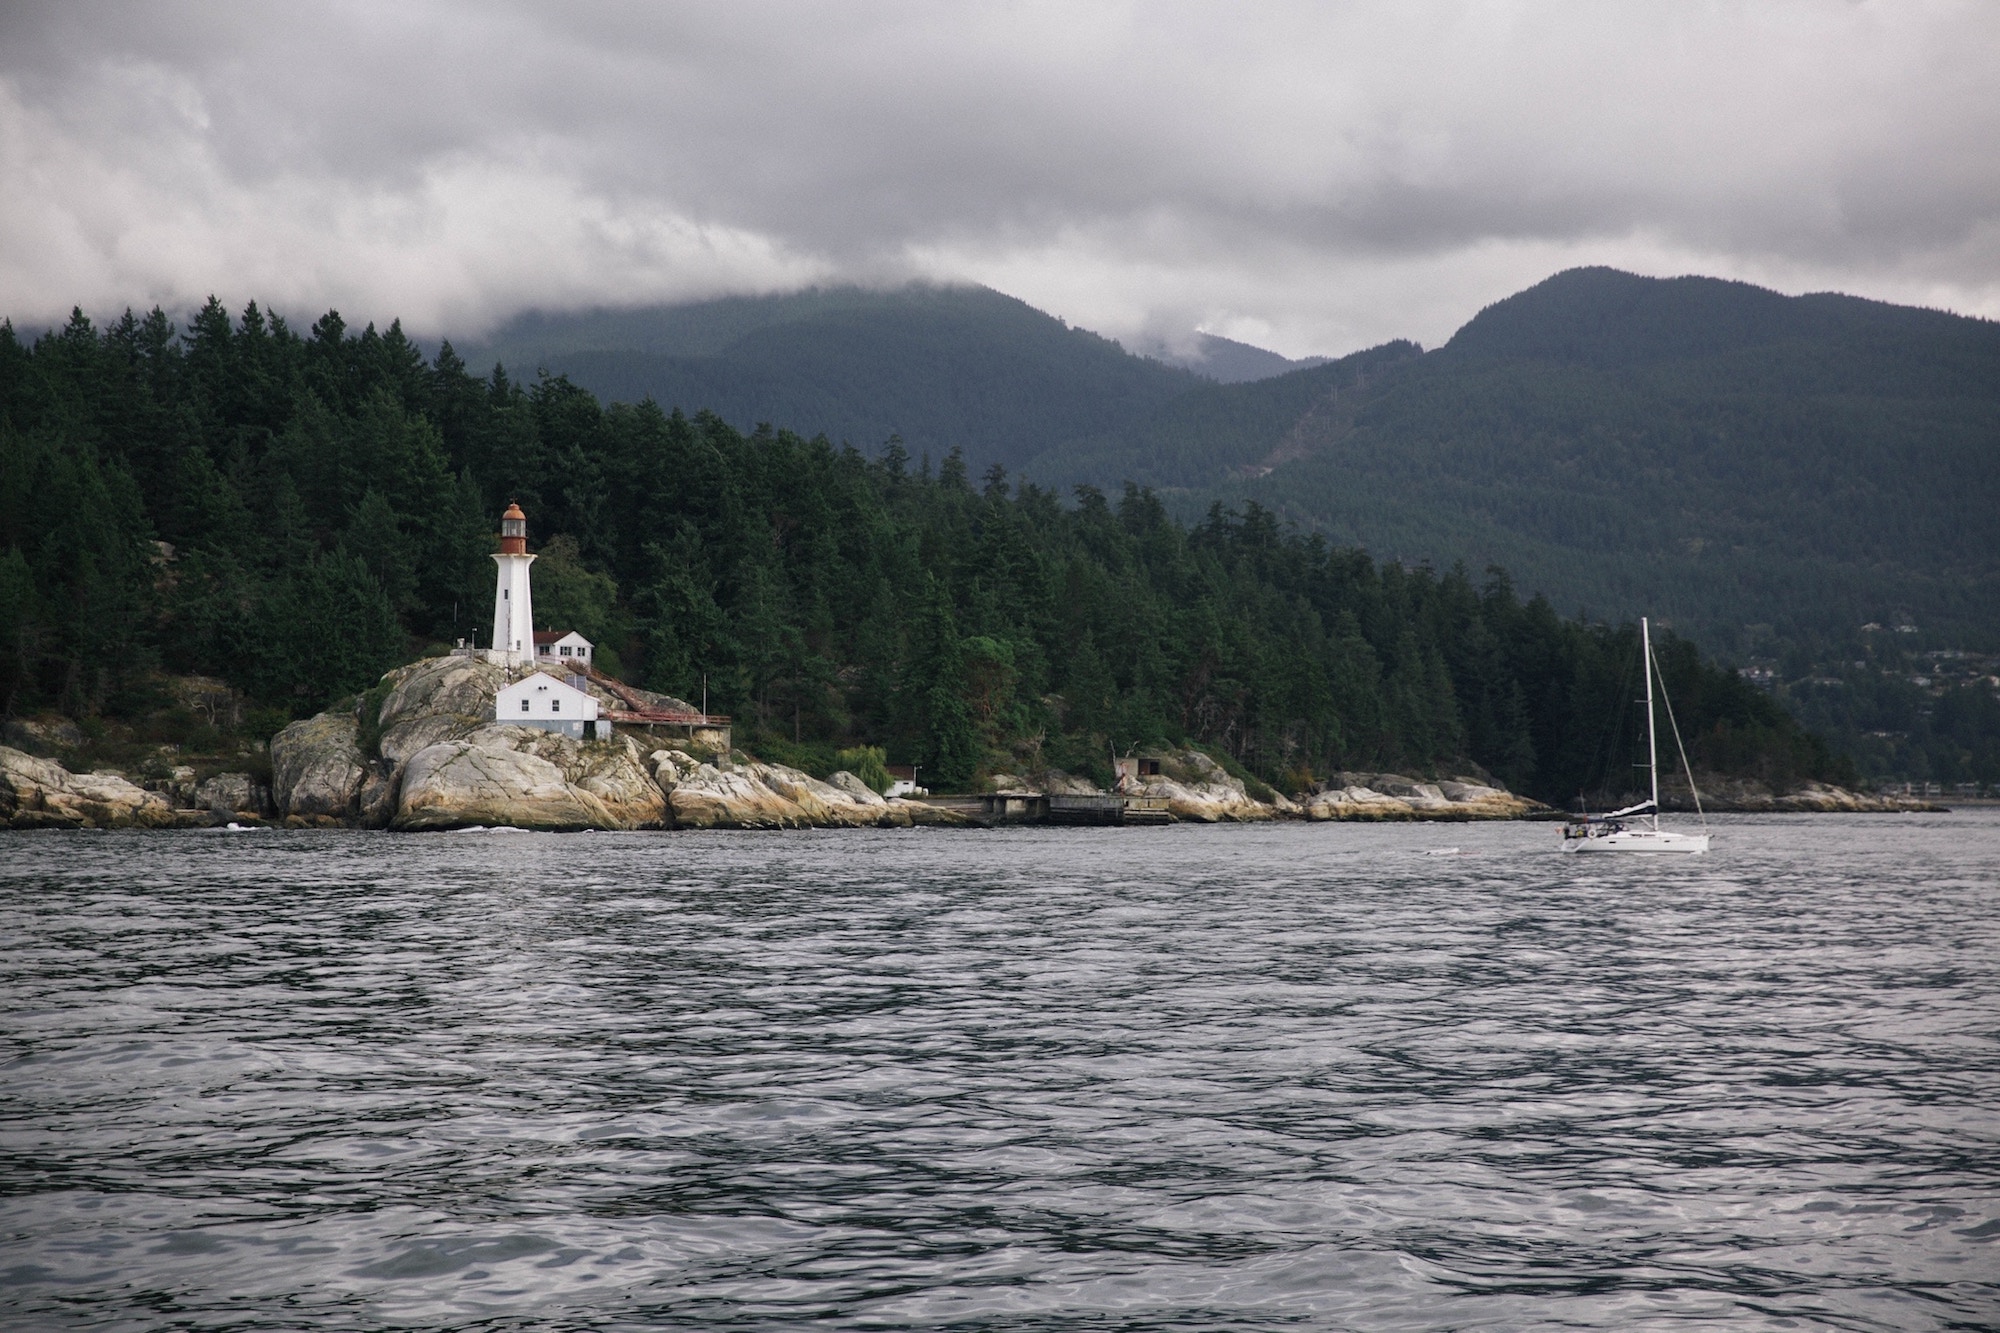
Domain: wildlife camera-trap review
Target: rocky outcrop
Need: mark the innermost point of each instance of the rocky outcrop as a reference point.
(39, 793)
(1194, 786)
(232, 795)
(748, 795)
(1720, 795)
(856, 788)
(525, 777)
(435, 700)
(455, 784)
(1380, 796)
(431, 757)
(903, 813)
(41, 735)
(1355, 803)
(1197, 788)
(316, 767)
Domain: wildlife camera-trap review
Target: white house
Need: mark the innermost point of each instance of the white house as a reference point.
(541, 700)
(562, 647)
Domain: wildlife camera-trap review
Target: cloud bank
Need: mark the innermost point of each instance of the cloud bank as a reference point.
(1308, 177)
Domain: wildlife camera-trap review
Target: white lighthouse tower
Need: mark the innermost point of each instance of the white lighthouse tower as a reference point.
(513, 599)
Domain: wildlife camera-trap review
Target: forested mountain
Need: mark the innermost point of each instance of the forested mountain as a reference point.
(295, 512)
(1223, 360)
(942, 367)
(1722, 455)
(1749, 466)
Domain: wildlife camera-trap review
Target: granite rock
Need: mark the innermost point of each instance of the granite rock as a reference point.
(40, 793)
(316, 767)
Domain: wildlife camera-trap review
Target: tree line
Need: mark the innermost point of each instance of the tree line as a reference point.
(296, 512)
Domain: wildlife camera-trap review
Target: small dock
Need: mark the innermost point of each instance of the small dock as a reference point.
(1028, 807)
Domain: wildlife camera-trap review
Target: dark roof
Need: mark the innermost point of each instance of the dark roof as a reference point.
(551, 635)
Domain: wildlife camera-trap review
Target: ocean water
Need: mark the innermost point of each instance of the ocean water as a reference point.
(1279, 1077)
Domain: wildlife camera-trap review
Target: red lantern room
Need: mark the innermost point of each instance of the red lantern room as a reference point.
(513, 531)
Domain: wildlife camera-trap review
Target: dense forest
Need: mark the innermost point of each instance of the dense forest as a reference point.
(296, 512)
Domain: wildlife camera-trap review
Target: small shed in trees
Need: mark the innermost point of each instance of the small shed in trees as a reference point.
(541, 700)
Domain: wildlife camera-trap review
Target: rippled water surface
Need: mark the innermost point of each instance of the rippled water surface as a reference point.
(1205, 1078)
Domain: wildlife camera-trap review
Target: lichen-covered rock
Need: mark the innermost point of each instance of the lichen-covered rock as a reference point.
(613, 771)
(40, 793)
(749, 795)
(857, 789)
(179, 786)
(1197, 788)
(1379, 796)
(437, 699)
(1480, 801)
(375, 806)
(25, 785)
(922, 814)
(709, 796)
(316, 767)
(1356, 802)
(456, 784)
(822, 804)
(526, 777)
(1751, 796)
(232, 794)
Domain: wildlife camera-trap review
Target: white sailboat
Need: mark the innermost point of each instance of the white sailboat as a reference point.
(1611, 832)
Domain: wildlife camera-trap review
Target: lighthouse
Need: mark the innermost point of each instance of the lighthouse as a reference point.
(513, 600)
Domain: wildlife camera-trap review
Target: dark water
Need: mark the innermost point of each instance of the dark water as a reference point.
(1100, 1079)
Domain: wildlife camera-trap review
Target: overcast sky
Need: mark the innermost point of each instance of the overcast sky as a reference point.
(1313, 177)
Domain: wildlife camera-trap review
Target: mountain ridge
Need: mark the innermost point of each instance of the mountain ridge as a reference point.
(1695, 447)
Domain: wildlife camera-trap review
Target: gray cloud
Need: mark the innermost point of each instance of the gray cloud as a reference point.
(1311, 177)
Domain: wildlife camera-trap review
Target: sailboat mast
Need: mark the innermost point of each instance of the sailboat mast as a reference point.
(1652, 744)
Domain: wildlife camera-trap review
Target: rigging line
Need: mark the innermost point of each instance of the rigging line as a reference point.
(1685, 766)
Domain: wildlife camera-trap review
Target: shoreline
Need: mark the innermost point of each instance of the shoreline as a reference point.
(244, 822)
(423, 751)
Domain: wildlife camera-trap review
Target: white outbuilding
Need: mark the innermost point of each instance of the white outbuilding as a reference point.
(562, 648)
(541, 700)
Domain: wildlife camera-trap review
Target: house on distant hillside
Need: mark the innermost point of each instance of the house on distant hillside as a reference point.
(561, 646)
(541, 700)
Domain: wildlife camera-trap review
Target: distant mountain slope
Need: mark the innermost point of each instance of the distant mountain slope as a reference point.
(943, 367)
(1707, 450)
(1217, 431)
(1224, 360)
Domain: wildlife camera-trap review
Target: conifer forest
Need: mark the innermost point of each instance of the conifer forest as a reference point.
(295, 512)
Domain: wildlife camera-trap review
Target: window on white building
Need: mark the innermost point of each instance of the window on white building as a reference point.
(524, 705)
(565, 650)
(555, 705)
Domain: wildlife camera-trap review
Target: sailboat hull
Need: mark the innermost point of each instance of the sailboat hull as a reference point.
(1640, 840)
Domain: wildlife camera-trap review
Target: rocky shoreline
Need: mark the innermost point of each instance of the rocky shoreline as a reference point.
(422, 752)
